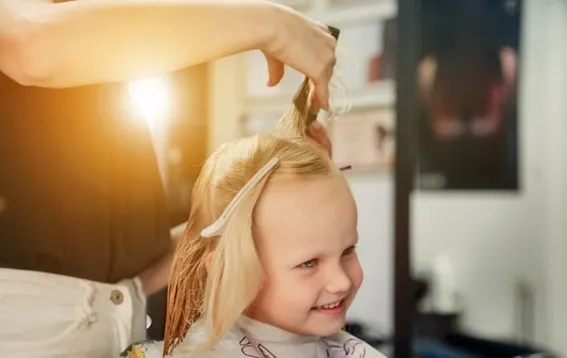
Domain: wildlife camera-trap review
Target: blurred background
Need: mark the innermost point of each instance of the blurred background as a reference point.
(488, 244)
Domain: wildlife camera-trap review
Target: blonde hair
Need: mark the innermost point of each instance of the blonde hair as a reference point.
(213, 280)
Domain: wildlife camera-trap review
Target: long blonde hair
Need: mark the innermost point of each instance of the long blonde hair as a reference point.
(213, 280)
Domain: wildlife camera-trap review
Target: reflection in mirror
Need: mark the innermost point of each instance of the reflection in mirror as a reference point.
(481, 230)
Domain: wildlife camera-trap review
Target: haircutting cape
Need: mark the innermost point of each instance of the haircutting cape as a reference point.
(254, 339)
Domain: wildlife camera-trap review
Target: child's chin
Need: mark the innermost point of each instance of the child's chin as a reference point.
(327, 329)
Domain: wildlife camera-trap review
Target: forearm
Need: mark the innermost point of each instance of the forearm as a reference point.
(156, 277)
(93, 41)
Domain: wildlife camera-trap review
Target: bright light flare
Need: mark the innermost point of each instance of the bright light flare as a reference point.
(151, 98)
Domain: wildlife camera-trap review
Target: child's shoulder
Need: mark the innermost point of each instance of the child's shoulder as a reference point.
(345, 345)
(148, 349)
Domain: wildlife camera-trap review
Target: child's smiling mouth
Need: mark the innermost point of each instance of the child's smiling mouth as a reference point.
(331, 308)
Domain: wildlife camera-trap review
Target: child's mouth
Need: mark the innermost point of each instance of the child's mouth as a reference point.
(331, 308)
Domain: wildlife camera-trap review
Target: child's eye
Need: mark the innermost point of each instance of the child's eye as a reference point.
(309, 264)
(349, 251)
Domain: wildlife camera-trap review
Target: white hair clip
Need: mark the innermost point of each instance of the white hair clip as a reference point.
(217, 227)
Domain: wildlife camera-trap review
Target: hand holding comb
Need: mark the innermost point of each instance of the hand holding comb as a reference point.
(296, 121)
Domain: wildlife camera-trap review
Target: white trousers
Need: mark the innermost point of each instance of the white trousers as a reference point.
(44, 315)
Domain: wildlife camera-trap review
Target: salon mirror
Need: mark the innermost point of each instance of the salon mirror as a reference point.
(486, 234)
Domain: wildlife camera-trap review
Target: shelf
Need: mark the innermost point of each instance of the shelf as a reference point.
(334, 12)
(381, 94)
(340, 14)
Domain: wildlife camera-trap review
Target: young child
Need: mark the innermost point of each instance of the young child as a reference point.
(268, 265)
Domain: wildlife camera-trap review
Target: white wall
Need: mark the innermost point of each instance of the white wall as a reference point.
(553, 107)
(224, 104)
(374, 197)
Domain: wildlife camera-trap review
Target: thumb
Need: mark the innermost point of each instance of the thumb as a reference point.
(275, 71)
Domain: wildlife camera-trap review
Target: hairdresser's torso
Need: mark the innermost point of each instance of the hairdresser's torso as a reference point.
(80, 191)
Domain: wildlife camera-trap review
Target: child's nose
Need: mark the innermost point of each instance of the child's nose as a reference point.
(338, 281)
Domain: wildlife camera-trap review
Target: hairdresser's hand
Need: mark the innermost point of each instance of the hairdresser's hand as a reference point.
(318, 133)
(304, 45)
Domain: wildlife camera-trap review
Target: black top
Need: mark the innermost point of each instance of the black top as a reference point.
(80, 191)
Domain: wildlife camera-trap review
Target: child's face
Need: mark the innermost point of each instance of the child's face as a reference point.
(306, 236)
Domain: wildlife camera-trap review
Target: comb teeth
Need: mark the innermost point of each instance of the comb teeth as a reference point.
(335, 32)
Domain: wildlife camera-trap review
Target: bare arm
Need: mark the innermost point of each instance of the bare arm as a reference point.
(156, 277)
(92, 41)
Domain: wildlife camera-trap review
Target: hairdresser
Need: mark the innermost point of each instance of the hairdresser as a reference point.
(84, 235)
